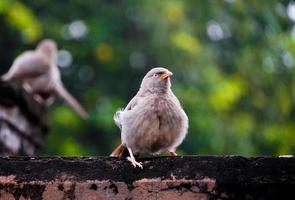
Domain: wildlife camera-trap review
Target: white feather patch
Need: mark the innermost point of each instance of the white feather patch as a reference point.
(117, 117)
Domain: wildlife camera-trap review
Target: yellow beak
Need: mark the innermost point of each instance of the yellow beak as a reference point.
(166, 75)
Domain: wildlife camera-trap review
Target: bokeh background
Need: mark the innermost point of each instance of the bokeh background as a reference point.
(233, 62)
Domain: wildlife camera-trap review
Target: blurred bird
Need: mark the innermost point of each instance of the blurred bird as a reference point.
(38, 73)
(153, 121)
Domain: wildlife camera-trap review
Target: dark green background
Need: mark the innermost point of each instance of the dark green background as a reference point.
(233, 64)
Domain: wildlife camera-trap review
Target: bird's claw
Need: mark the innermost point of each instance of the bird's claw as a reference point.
(135, 163)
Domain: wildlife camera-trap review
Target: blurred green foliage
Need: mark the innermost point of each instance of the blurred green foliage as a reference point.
(233, 62)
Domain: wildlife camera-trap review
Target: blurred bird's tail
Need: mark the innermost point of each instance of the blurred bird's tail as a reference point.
(5, 77)
(118, 152)
(63, 93)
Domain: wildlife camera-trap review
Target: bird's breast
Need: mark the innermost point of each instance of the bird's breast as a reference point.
(158, 123)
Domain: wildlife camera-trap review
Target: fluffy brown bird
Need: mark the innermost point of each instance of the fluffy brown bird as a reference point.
(153, 121)
(38, 73)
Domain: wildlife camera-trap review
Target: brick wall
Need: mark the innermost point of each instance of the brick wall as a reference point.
(192, 177)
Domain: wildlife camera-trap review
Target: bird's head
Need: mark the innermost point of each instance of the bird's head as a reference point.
(157, 80)
(48, 47)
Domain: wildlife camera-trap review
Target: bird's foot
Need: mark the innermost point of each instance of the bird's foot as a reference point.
(134, 162)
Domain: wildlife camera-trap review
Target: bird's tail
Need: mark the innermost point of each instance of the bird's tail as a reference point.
(5, 77)
(119, 150)
(63, 93)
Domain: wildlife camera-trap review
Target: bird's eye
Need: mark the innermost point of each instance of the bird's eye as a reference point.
(155, 75)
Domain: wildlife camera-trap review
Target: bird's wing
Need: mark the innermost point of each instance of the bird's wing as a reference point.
(27, 65)
(120, 149)
(132, 103)
(117, 116)
(63, 93)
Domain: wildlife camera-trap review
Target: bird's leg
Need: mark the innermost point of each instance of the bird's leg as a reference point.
(172, 153)
(132, 159)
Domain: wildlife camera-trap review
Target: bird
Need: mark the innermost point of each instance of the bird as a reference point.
(38, 73)
(153, 121)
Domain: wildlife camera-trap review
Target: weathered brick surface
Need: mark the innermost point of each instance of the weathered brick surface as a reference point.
(207, 177)
(142, 189)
